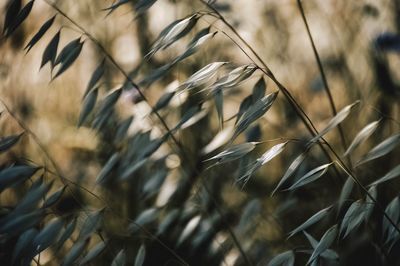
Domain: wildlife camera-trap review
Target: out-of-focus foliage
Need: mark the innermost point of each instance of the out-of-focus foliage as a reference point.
(202, 132)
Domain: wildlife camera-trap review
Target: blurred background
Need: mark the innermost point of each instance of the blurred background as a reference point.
(358, 43)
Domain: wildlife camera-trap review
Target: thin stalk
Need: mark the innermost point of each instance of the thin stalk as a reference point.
(67, 182)
(322, 72)
(164, 124)
(310, 126)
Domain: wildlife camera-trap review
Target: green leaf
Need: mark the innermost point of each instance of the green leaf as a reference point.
(189, 229)
(310, 221)
(234, 78)
(90, 225)
(50, 52)
(233, 153)
(145, 217)
(244, 106)
(272, 153)
(256, 111)
(88, 106)
(142, 6)
(106, 108)
(128, 172)
(362, 136)
(346, 191)
(16, 174)
(259, 90)
(193, 47)
(395, 172)
(381, 149)
(171, 218)
(48, 236)
(327, 254)
(74, 253)
(326, 241)
(108, 167)
(93, 253)
(266, 157)
(202, 76)
(21, 16)
(11, 13)
(353, 218)
(141, 255)
(52, 199)
(336, 120)
(283, 259)
(163, 101)
(289, 172)
(116, 5)
(120, 259)
(311, 176)
(68, 56)
(96, 76)
(31, 199)
(9, 141)
(21, 223)
(123, 128)
(393, 211)
(23, 247)
(67, 233)
(172, 33)
(43, 29)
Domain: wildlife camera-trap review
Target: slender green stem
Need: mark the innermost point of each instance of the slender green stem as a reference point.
(322, 72)
(164, 124)
(307, 121)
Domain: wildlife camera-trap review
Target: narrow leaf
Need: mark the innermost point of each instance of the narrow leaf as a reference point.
(108, 167)
(395, 172)
(336, 120)
(11, 13)
(259, 90)
(381, 149)
(22, 15)
(69, 58)
(265, 158)
(326, 241)
(16, 174)
(88, 105)
(96, 76)
(50, 201)
(310, 221)
(311, 176)
(256, 111)
(50, 52)
(362, 136)
(284, 259)
(120, 259)
(93, 252)
(48, 236)
(289, 172)
(90, 225)
(23, 244)
(142, 6)
(43, 29)
(141, 255)
(74, 253)
(346, 191)
(9, 141)
(203, 75)
(233, 153)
